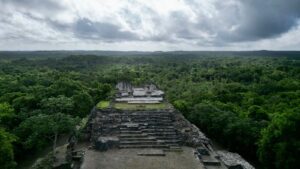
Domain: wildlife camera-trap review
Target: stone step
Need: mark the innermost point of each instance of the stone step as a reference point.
(147, 111)
(173, 149)
(161, 127)
(160, 124)
(129, 125)
(171, 141)
(150, 116)
(163, 115)
(138, 139)
(130, 132)
(147, 120)
(168, 138)
(148, 141)
(144, 146)
(147, 117)
(158, 127)
(141, 142)
(162, 134)
(147, 114)
(154, 121)
(129, 129)
(142, 135)
(158, 130)
(165, 136)
(148, 128)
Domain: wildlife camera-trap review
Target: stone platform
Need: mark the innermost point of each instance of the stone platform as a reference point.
(151, 152)
(128, 159)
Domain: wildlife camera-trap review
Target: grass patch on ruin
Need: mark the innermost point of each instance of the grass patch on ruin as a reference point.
(102, 105)
(127, 106)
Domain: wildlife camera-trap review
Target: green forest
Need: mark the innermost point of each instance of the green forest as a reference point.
(247, 102)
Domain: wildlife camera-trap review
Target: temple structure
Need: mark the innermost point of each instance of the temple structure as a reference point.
(133, 95)
(162, 133)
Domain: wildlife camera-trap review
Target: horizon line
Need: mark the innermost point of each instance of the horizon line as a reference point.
(155, 51)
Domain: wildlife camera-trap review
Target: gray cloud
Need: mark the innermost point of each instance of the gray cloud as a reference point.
(87, 29)
(44, 5)
(212, 23)
(264, 19)
(241, 20)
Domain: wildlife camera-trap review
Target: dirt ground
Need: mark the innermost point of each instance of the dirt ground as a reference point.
(128, 159)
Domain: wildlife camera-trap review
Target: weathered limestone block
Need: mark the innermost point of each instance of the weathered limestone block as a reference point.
(233, 160)
(191, 134)
(105, 143)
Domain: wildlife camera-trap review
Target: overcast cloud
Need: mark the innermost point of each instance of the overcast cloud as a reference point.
(150, 24)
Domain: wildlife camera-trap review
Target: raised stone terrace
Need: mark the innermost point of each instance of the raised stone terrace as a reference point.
(135, 129)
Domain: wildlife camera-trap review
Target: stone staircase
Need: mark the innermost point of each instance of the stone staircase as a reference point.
(148, 129)
(135, 129)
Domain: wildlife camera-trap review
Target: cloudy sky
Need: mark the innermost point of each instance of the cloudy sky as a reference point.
(149, 25)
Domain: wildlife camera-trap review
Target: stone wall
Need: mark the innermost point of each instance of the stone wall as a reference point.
(192, 136)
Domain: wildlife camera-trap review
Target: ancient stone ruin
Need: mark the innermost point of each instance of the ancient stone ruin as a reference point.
(147, 94)
(159, 130)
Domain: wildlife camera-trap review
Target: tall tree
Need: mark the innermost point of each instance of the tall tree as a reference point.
(6, 115)
(38, 130)
(6, 150)
(280, 144)
(83, 103)
(59, 104)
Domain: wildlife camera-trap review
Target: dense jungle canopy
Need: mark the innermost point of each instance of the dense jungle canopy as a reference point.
(249, 102)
